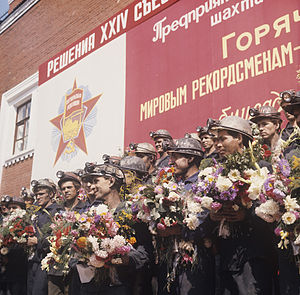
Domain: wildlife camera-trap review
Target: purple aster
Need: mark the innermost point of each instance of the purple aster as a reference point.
(202, 186)
(134, 208)
(194, 188)
(268, 185)
(284, 167)
(97, 218)
(226, 195)
(219, 170)
(233, 194)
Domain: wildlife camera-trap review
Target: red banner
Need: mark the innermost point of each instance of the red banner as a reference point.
(131, 16)
(194, 61)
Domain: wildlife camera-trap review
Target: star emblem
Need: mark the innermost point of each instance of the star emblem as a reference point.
(70, 122)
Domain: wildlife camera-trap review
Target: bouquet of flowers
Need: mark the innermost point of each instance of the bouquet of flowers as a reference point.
(94, 238)
(275, 192)
(169, 210)
(236, 183)
(16, 229)
(165, 204)
(285, 191)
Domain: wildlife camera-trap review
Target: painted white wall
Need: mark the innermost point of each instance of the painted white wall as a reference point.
(103, 71)
(26, 90)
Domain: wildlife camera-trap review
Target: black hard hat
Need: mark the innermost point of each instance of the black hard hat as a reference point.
(67, 176)
(188, 146)
(133, 163)
(43, 183)
(293, 100)
(161, 133)
(106, 169)
(265, 112)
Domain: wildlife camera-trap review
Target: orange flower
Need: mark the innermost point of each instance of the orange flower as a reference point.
(81, 242)
(132, 240)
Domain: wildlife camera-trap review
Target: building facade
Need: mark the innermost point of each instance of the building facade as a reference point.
(32, 32)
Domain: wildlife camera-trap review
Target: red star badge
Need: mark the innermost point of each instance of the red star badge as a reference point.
(70, 122)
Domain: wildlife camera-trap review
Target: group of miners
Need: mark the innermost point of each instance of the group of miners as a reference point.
(246, 262)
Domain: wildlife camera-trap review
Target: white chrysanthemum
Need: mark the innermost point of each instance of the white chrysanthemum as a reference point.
(194, 207)
(206, 171)
(206, 202)
(270, 207)
(94, 242)
(101, 209)
(107, 245)
(173, 197)
(119, 241)
(102, 254)
(288, 218)
(268, 211)
(234, 175)
(223, 183)
(192, 222)
(290, 203)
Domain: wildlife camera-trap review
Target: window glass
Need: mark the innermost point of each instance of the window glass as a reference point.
(22, 127)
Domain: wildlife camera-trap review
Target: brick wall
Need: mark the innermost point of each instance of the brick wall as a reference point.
(47, 28)
(16, 176)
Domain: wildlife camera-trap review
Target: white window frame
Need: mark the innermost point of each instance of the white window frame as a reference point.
(16, 14)
(11, 100)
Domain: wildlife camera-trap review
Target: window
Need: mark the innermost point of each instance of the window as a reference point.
(22, 127)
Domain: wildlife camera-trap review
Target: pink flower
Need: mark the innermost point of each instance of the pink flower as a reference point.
(277, 231)
(161, 226)
(216, 206)
(158, 189)
(123, 250)
(113, 229)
